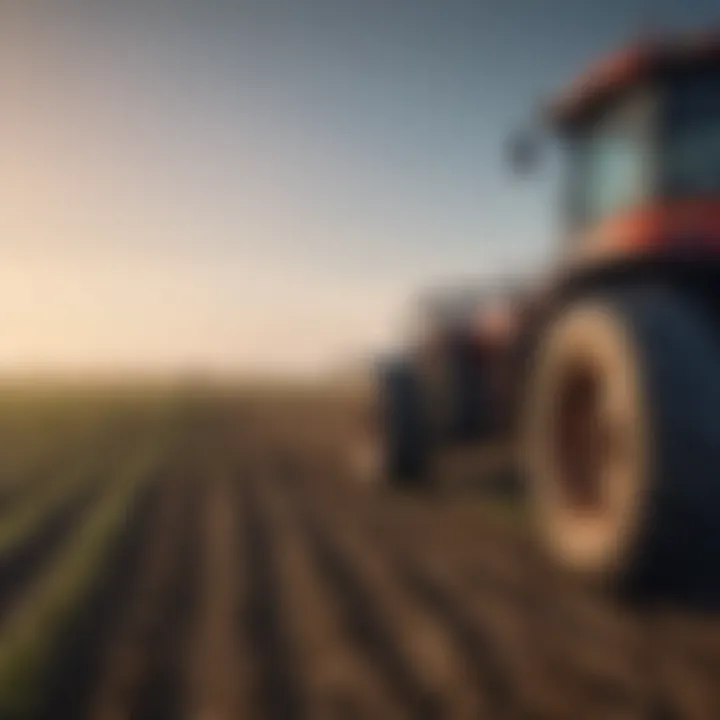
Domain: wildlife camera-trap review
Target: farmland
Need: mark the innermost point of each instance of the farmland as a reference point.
(170, 554)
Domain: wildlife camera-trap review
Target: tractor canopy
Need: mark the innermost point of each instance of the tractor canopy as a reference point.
(641, 131)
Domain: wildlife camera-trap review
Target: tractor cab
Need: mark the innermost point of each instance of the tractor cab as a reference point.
(641, 133)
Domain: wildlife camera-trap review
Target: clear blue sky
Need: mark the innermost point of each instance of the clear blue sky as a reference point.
(259, 185)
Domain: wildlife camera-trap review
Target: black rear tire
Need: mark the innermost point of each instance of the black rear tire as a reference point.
(403, 432)
(654, 530)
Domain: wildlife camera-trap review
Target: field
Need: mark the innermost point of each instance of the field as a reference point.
(168, 554)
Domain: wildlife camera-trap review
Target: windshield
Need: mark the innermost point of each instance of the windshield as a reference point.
(610, 162)
(693, 152)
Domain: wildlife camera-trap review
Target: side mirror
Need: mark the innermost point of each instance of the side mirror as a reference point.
(523, 151)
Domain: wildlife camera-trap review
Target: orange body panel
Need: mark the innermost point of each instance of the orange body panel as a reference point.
(677, 225)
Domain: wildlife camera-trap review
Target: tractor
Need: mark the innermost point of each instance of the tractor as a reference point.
(444, 388)
(608, 378)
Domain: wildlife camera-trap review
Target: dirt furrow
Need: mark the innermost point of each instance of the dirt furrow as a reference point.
(276, 692)
(441, 596)
(255, 581)
(163, 694)
(678, 682)
(487, 618)
(517, 632)
(13, 494)
(419, 656)
(339, 682)
(74, 669)
(214, 672)
(25, 561)
(141, 676)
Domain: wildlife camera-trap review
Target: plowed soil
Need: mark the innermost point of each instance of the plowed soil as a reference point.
(259, 580)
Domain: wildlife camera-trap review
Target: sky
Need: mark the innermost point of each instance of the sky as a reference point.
(262, 185)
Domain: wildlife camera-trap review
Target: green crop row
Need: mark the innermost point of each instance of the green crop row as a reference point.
(28, 636)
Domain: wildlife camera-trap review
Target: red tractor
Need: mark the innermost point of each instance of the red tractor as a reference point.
(610, 377)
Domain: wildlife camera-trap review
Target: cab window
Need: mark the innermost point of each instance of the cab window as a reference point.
(611, 161)
(693, 134)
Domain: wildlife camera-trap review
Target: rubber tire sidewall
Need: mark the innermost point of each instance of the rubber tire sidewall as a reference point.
(671, 541)
(403, 427)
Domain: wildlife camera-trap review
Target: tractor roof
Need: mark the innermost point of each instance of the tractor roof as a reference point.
(632, 65)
